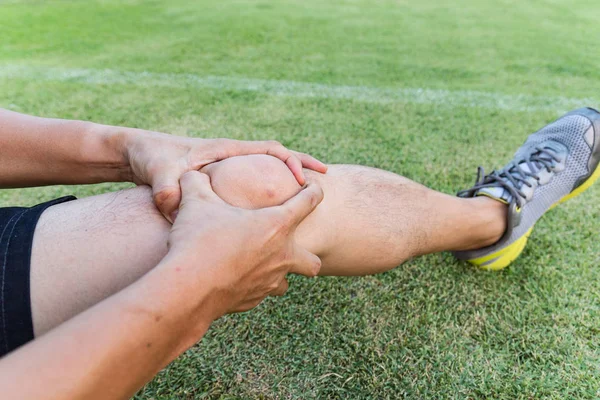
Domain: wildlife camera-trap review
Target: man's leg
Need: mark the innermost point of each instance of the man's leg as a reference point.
(86, 250)
(369, 222)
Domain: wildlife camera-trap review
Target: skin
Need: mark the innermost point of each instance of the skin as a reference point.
(371, 221)
(148, 324)
(43, 151)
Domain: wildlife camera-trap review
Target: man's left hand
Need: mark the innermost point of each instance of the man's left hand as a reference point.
(159, 160)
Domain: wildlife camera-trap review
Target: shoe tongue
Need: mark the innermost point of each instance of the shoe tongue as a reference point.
(499, 193)
(496, 193)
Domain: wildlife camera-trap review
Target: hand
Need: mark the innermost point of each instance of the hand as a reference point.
(159, 160)
(245, 254)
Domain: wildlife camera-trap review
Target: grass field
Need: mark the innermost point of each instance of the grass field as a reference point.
(428, 89)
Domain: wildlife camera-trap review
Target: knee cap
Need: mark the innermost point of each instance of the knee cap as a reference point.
(252, 182)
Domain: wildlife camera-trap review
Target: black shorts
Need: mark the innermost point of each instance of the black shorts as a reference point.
(17, 225)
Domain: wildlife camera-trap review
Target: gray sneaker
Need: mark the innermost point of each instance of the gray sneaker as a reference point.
(557, 163)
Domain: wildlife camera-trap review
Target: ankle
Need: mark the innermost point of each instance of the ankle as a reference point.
(489, 217)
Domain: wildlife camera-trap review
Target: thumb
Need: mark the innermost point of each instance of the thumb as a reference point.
(166, 193)
(305, 263)
(196, 185)
(301, 205)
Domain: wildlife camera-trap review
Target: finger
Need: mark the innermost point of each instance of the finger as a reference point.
(271, 148)
(196, 185)
(301, 205)
(305, 263)
(281, 289)
(290, 159)
(310, 162)
(295, 165)
(166, 192)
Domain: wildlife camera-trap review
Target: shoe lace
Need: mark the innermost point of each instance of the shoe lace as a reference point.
(513, 176)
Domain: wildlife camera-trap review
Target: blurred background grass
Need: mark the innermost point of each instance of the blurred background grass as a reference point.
(432, 328)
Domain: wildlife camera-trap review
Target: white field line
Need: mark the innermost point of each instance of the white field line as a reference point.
(451, 98)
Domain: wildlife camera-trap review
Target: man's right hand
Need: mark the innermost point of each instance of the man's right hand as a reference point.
(243, 255)
(221, 259)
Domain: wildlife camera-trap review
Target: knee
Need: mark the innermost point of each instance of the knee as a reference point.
(253, 181)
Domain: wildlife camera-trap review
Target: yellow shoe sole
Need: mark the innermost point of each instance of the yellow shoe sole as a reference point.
(504, 257)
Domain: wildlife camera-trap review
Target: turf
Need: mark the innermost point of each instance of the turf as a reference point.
(432, 328)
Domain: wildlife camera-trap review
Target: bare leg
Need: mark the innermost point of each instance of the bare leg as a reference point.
(85, 250)
(370, 221)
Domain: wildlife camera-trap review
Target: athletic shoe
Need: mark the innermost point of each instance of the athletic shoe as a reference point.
(557, 163)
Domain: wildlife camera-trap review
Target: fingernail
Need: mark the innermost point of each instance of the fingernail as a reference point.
(317, 268)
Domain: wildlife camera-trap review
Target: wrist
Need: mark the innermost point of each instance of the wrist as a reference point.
(167, 308)
(110, 142)
(190, 296)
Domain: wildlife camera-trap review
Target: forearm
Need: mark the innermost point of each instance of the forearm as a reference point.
(112, 349)
(42, 151)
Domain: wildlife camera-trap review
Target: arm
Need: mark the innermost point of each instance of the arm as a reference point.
(42, 151)
(228, 263)
(112, 349)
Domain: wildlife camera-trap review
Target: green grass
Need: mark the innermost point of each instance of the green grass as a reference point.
(432, 328)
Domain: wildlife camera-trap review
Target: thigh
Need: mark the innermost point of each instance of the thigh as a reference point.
(85, 250)
(17, 225)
